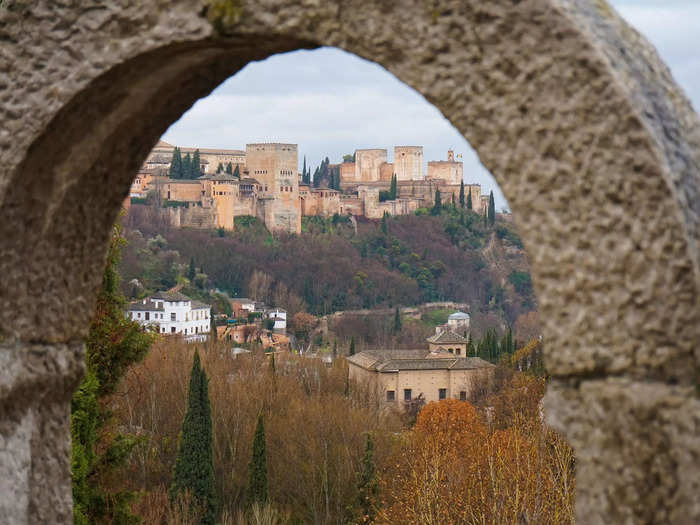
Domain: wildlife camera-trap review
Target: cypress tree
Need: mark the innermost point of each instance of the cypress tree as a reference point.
(186, 167)
(454, 205)
(492, 209)
(196, 168)
(461, 194)
(194, 465)
(237, 172)
(352, 346)
(191, 272)
(176, 164)
(220, 168)
(113, 344)
(257, 469)
(469, 199)
(229, 169)
(303, 171)
(368, 486)
(397, 321)
(438, 204)
(385, 226)
(394, 187)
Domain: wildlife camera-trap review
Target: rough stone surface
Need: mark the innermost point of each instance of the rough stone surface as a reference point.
(582, 125)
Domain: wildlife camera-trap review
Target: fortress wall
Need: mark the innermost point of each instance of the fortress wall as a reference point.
(347, 172)
(189, 191)
(450, 172)
(386, 172)
(351, 205)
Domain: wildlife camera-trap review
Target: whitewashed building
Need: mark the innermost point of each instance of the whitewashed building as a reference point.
(279, 316)
(173, 313)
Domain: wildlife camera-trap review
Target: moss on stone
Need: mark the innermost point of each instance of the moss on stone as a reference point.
(224, 13)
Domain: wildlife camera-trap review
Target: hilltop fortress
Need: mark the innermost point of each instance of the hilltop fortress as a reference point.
(264, 181)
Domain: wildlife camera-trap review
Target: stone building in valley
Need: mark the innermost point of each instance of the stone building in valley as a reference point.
(405, 375)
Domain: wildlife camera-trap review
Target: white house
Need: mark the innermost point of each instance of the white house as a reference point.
(173, 313)
(458, 322)
(280, 318)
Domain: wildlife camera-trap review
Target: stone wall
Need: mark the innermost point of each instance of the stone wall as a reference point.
(592, 142)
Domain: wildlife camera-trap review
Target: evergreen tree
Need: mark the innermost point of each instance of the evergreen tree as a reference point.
(352, 346)
(237, 172)
(492, 209)
(303, 171)
(220, 168)
(368, 486)
(397, 321)
(186, 167)
(437, 207)
(229, 169)
(393, 190)
(257, 469)
(335, 349)
(194, 465)
(469, 199)
(461, 195)
(114, 343)
(192, 271)
(317, 177)
(385, 226)
(196, 168)
(454, 205)
(176, 164)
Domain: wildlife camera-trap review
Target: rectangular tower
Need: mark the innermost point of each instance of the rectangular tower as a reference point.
(276, 167)
(408, 162)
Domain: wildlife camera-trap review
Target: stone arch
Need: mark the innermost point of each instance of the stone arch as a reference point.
(570, 109)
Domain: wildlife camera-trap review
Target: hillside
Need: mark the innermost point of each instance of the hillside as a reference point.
(407, 260)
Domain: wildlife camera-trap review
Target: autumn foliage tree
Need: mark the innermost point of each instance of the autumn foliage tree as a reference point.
(458, 467)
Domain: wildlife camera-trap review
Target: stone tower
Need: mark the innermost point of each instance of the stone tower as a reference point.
(408, 162)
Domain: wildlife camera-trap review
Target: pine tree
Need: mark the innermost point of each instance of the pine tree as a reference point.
(194, 465)
(461, 194)
(437, 207)
(368, 486)
(393, 190)
(176, 164)
(186, 167)
(352, 346)
(113, 344)
(492, 209)
(397, 321)
(229, 169)
(191, 272)
(257, 469)
(469, 199)
(196, 168)
(237, 172)
(219, 168)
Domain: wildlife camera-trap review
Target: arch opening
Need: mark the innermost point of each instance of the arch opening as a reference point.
(582, 161)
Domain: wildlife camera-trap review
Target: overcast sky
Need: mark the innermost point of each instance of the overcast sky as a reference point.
(331, 102)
